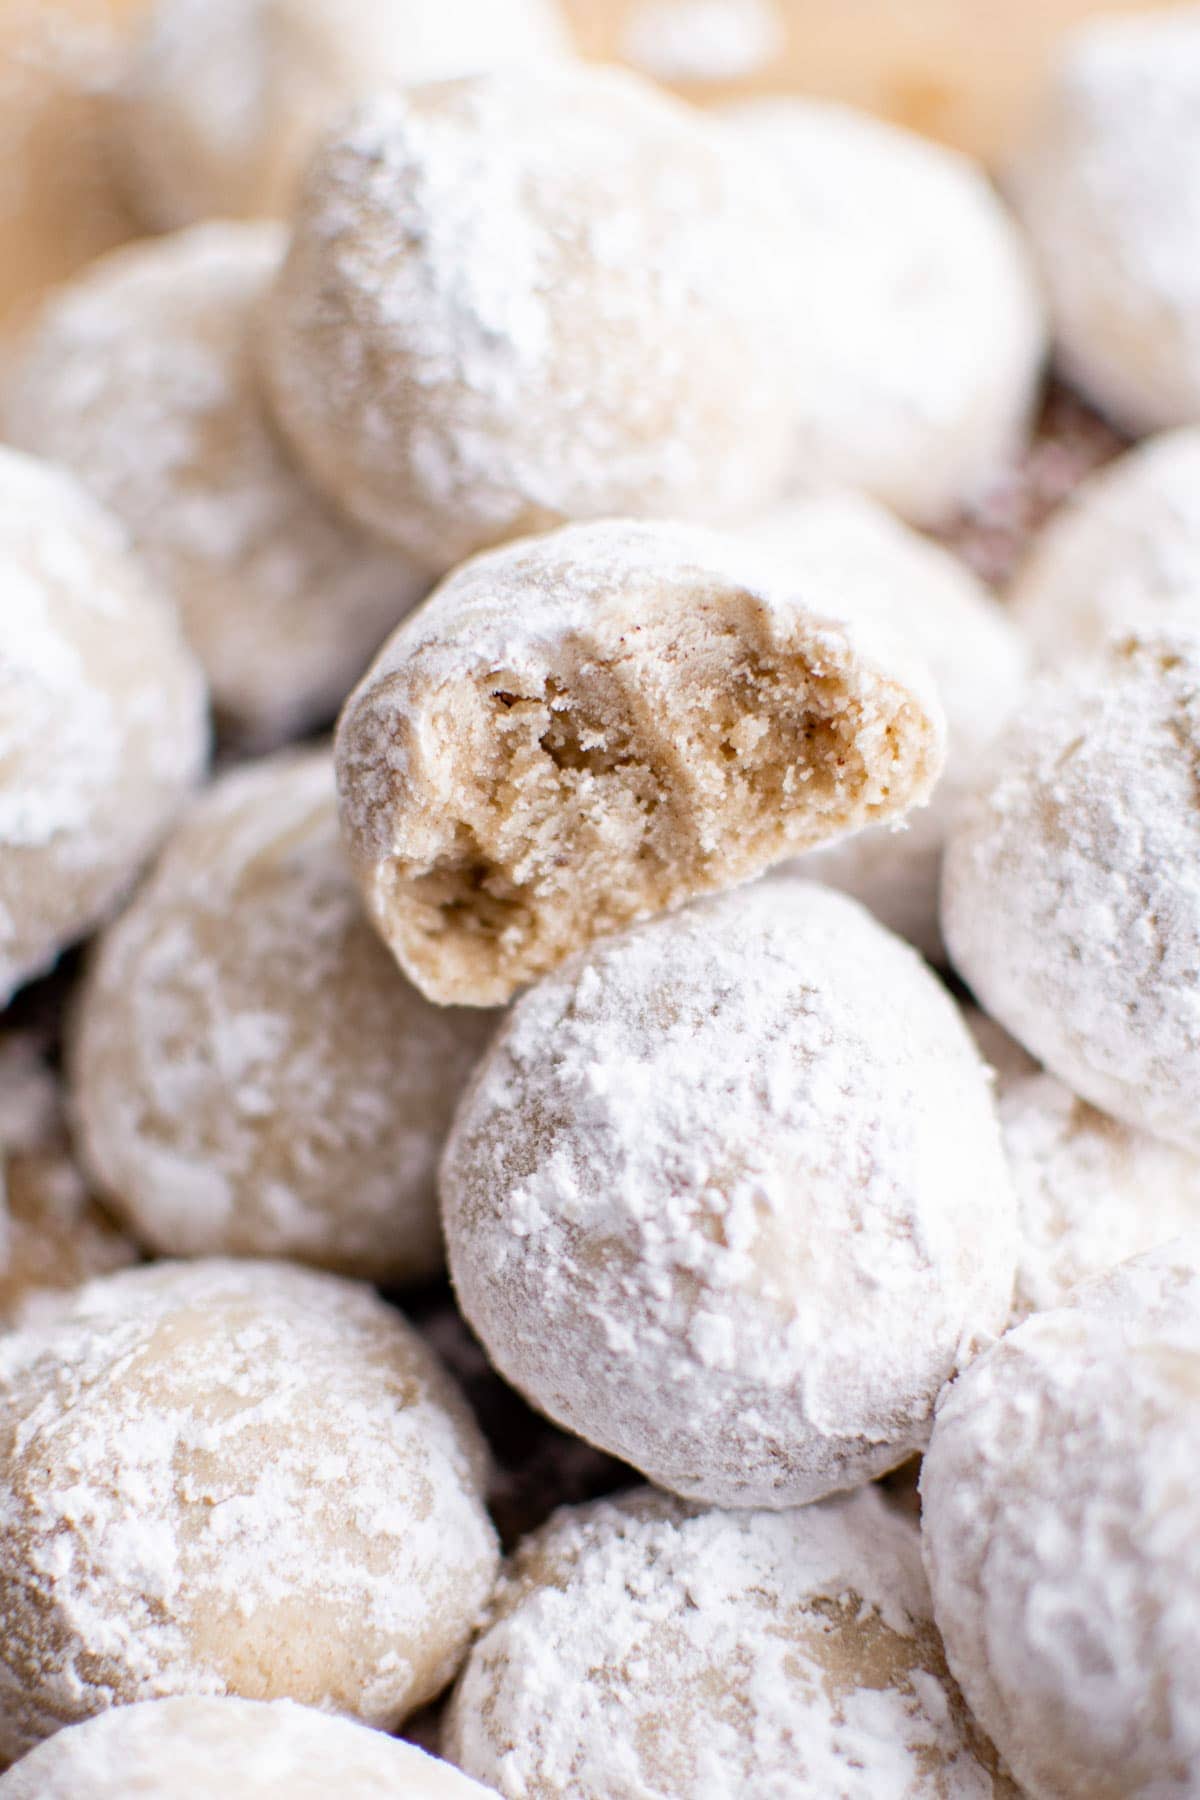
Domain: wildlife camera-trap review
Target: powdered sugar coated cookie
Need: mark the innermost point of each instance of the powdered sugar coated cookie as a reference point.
(192, 1748)
(1122, 554)
(640, 1646)
(1061, 1528)
(140, 377)
(727, 1198)
(1071, 884)
(250, 1073)
(1107, 184)
(525, 299)
(232, 1478)
(103, 724)
(921, 333)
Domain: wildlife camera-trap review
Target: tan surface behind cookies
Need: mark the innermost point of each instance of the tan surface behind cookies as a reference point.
(961, 69)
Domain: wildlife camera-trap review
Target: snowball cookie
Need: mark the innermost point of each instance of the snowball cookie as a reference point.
(251, 1073)
(845, 544)
(232, 1478)
(194, 1748)
(727, 1197)
(1091, 1192)
(530, 298)
(1107, 184)
(1071, 882)
(583, 729)
(1061, 1523)
(641, 1647)
(223, 100)
(139, 376)
(52, 1234)
(1124, 554)
(923, 334)
(103, 726)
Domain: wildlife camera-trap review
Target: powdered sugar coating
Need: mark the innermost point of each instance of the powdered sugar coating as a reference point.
(1123, 554)
(232, 1478)
(590, 727)
(530, 298)
(842, 543)
(639, 1647)
(727, 1198)
(1091, 1192)
(922, 331)
(52, 1234)
(1107, 184)
(1061, 1526)
(102, 716)
(1071, 883)
(222, 101)
(192, 1748)
(251, 1074)
(140, 376)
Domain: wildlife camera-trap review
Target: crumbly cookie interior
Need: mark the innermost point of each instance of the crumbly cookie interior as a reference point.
(695, 753)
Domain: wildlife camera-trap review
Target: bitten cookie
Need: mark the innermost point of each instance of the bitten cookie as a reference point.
(139, 376)
(250, 1073)
(103, 721)
(586, 728)
(191, 1749)
(639, 1646)
(921, 334)
(1107, 184)
(727, 1198)
(1122, 555)
(232, 1478)
(222, 101)
(531, 298)
(1071, 882)
(841, 543)
(1061, 1527)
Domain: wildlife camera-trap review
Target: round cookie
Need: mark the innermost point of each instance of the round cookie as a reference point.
(1071, 882)
(639, 1646)
(922, 330)
(845, 544)
(241, 1748)
(526, 299)
(190, 1749)
(251, 1074)
(1107, 184)
(222, 101)
(727, 1198)
(1091, 1192)
(583, 729)
(232, 1478)
(53, 1236)
(140, 377)
(103, 724)
(1123, 554)
(1061, 1527)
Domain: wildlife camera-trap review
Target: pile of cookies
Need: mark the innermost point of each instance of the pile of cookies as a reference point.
(757, 957)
